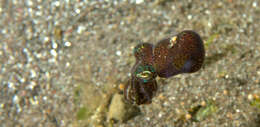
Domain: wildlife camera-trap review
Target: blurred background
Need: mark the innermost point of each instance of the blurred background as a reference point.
(64, 63)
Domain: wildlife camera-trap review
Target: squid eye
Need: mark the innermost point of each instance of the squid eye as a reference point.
(145, 72)
(182, 53)
(145, 75)
(142, 86)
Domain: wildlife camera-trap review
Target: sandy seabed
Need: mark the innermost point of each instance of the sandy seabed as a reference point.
(50, 50)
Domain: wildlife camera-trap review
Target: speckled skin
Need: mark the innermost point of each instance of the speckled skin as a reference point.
(144, 52)
(139, 90)
(183, 53)
(142, 86)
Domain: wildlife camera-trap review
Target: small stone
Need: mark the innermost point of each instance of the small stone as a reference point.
(203, 103)
(189, 17)
(67, 44)
(53, 53)
(188, 116)
(250, 97)
(139, 1)
(121, 111)
(255, 96)
(118, 53)
(254, 4)
(54, 45)
(225, 92)
(229, 115)
(121, 87)
(16, 99)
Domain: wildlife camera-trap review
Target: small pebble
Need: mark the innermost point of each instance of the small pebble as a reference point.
(188, 116)
(121, 111)
(67, 44)
(250, 97)
(203, 103)
(118, 53)
(139, 1)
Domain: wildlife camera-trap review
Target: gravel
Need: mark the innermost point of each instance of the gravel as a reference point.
(51, 48)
